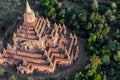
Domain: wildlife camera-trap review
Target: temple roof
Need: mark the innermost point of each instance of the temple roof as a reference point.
(28, 9)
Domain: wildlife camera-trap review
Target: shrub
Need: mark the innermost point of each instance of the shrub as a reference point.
(3, 72)
(13, 77)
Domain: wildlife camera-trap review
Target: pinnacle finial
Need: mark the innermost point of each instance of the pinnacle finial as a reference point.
(28, 9)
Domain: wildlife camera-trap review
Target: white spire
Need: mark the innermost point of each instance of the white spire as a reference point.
(28, 9)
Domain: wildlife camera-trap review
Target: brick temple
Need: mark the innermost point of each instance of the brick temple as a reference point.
(39, 46)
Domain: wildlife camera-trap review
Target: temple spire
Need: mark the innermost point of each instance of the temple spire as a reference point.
(28, 9)
(29, 15)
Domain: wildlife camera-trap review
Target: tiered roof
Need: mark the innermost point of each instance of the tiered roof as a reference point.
(40, 46)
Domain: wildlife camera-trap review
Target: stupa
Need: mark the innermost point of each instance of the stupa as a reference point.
(39, 46)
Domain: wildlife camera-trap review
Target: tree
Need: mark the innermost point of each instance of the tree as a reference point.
(117, 34)
(50, 78)
(97, 76)
(30, 78)
(51, 13)
(95, 61)
(62, 21)
(95, 5)
(113, 5)
(13, 77)
(3, 72)
(108, 12)
(82, 17)
(80, 76)
(105, 51)
(59, 5)
(67, 78)
(105, 30)
(18, 2)
(118, 65)
(112, 72)
(117, 56)
(105, 59)
(89, 26)
(92, 37)
(90, 48)
(111, 45)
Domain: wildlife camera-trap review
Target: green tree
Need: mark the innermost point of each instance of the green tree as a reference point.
(67, 78)
(3, 72)
(89, 26)
(18, 2)
(117, 34)
(112, 72)
(30, 78)
(108, 12)
(50, 78)
(113, 5)
(111, 45)
(90, 48)
(105, 59)
(97, 76)
(13, 77)
(59, 5)
(92, 37)
(95, 61)
(51, 13)
(95, 5)
(117, 56)
(80, 76)
(105, 51)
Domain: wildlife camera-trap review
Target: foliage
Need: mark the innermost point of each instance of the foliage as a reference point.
(13, 77)
(113, 5)
(111, 45)
(92, 37)
(67, 78)
(30, 78)
(95, 5)
(95, 61)
(117, 56)
(112, 72)
(105, 59)
(50, 78)
(97, 76)
(90, 48)
(18, 2)
(105, 51)
(80, 76)
(3, 72)
(117, 34)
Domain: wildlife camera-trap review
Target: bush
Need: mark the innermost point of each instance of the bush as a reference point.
(50, 78)
(111, 72)
(30, 78)
(105, 59)
(3, 72)
(13, 77)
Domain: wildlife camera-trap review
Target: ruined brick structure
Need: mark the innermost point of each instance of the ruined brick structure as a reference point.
(40, 46)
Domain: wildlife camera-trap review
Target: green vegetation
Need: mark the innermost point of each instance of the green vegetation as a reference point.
(3, 72)
(95, 24)
(30, 78)
(98, 24)
(13, 77)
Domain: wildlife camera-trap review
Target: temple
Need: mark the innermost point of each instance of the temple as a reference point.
(39, 46)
